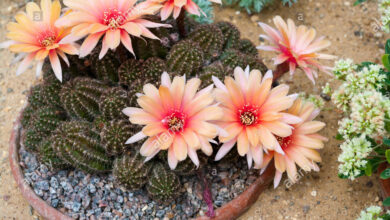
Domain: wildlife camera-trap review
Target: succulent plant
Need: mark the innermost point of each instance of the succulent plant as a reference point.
(230, 33)
(232, 58)
(131, 171)
(35, 98)
(146, 48)
(246, 46)
(163, 185)
(114, 135)
(48, 156)
(112, 101)
(32, 139)
(79, 146)
(80, 97)
(210, 39)
(186, 167)
(215, 69)
(105, 69)
(135, 74)
(99, 122)
(185, 57)
(41, 122)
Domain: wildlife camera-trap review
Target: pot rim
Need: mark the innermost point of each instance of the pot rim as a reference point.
(230, 210)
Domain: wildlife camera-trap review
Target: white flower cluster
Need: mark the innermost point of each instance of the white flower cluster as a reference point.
(342, 68)
(315, 99)
(384, 9)
(368, 111)
(358, 97)
(353, 156)
(371, 213)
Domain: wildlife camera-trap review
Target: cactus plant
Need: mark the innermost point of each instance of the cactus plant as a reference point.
(163, 185)
(131, 171)
(215, 69)
(40, 125)
(80, 97)
(230, 33)
(210, 39)
(145, 49)
(114, 135)
(247, 47)
(185, 57)
(233, 58)
(112, 101)
(106, 68)
(48, 156)
(135, 74)
(79, 146)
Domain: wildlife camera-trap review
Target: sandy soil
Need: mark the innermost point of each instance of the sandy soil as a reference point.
(353, 32)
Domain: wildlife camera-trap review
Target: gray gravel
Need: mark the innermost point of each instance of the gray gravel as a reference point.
(85, 196)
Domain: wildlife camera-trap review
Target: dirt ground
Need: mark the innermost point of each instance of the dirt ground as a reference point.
(354, 34)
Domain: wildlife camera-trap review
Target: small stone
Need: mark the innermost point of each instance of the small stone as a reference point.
(254, 18)
(313, 193)
(10, 90)
(160, 213)
(306, 209)
(42, 185)
(91, 188)
(54, 203)
(54, 182)
(6, 197)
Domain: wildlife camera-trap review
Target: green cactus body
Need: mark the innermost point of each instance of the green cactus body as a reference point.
(230, 33)
(48, 156)
(105, 69)
(114, 135)
(152, 70)
(80, 97)
(79, 146)
(128, 72)
(163, 185)
(233, 58)
(145, 49)
(35, 97)
(28, 113)
(99, 122)
(210, 39)
(131, 171)
(215, 69)
(185, 57)
(135, 74)
(246, 46)
(32, 139)
(40, 125)
(112, 102)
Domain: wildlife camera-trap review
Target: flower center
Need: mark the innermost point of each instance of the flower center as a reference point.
(47, 39)
(248, 115)
(113, 18)
(175, 121)
(284, 142)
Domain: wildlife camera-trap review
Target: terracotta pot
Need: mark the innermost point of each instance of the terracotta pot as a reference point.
(384, 184)
(231, 210)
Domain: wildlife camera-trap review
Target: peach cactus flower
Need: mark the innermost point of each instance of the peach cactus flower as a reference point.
(301, 146)
(177, 118)
(34, 36)
(116, 20)
(175, 7)
(296, 46)
(253, 114)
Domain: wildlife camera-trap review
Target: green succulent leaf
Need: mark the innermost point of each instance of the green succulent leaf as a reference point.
(386, 202)
(385, 174)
